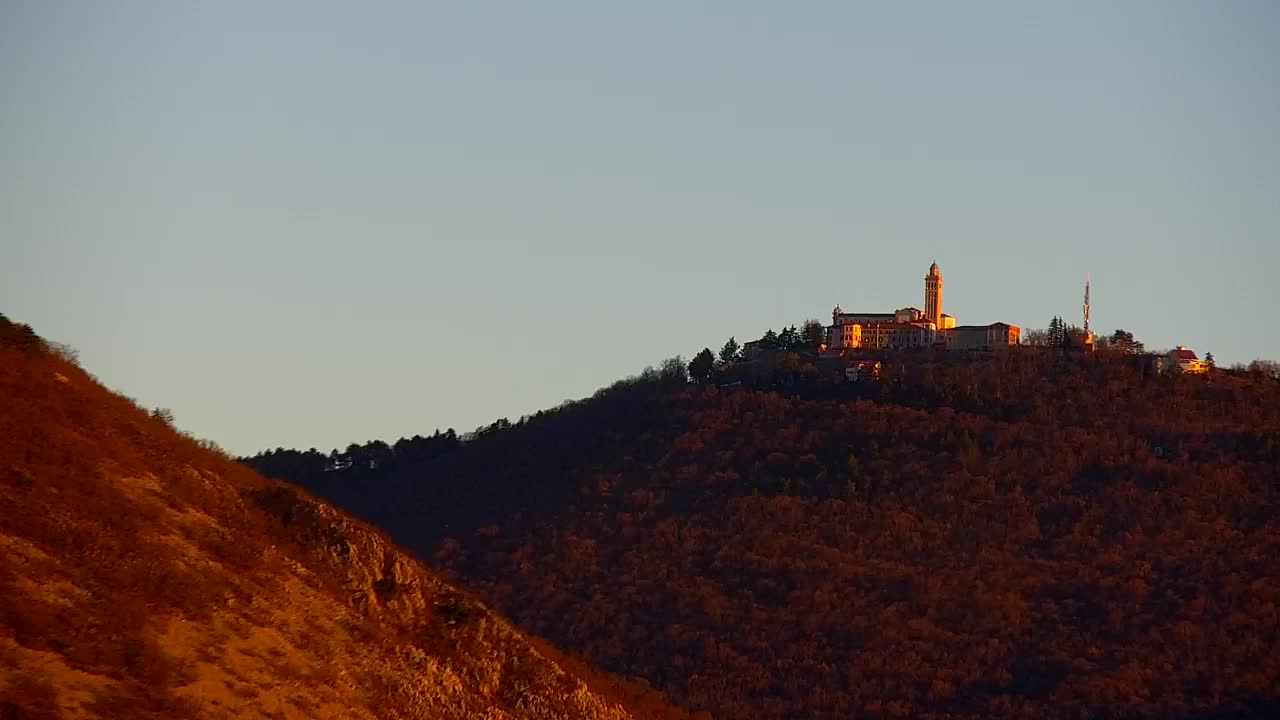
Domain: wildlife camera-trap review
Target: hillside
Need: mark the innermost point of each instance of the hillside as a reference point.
(145, 575)
(1028, 534)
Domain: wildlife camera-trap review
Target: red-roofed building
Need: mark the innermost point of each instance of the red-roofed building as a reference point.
(1183, 360)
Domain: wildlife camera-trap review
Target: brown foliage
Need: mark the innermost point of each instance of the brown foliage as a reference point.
(1026, 534)
(27, 696)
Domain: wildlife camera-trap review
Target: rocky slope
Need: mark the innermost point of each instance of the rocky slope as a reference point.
(144, 574)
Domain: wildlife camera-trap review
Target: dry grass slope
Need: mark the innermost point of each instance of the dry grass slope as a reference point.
(145, 575)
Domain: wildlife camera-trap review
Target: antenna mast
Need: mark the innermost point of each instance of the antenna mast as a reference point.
(1086, 306)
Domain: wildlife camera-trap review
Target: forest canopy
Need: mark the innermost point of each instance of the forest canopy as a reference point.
(1028, 533)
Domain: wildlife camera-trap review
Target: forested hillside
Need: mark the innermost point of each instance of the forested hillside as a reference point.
(1029, 534)
(144, 574)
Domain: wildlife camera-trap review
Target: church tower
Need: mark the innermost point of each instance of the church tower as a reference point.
(933, 295)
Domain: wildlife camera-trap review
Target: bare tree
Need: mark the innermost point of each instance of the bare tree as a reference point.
(1037, 338)
(1266, 368)
(63, 351)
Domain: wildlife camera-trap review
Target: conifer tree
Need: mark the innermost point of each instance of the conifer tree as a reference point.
(788, 338)
(702, 366)
(1057, 332)
(729, 353)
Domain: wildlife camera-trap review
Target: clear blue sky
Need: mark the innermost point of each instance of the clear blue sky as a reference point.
(311, 223)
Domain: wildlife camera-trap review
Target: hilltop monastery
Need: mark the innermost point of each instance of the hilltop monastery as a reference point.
(911, 327)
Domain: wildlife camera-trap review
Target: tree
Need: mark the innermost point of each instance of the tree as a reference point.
(1037, 338)
(1061, 335)
(64, 351)
(769, 340)
(1122, 341)
(788, 338)
(373, 455)
(702, 366)
(19, 335)
(1057, 332)
(672, 371)
(815, 333)
(788, 367)
(1209, 360)
(729, 353)
(1075, 336)
(1265, 368)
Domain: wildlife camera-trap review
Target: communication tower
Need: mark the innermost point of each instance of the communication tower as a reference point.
(1088, 334)
(1086, 306)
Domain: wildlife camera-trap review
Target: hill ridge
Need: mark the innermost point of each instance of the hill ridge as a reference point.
(1022, 534)
(146, 576)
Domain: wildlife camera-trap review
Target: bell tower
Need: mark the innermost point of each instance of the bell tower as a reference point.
(933, 295)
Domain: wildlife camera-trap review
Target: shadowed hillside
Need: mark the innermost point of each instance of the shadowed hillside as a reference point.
(145, 576)
(1029, 534)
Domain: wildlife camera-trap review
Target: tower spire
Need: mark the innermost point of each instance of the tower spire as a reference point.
(933, 294)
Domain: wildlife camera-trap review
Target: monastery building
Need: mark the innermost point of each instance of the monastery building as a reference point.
(911, 327)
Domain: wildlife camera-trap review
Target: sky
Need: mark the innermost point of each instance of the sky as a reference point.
(306, 224)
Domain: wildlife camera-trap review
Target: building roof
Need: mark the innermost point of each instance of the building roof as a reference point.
(1184, 354)
(892, 326)
(983, 327)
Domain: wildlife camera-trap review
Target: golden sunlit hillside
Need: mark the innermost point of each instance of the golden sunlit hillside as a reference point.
(146, 575)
